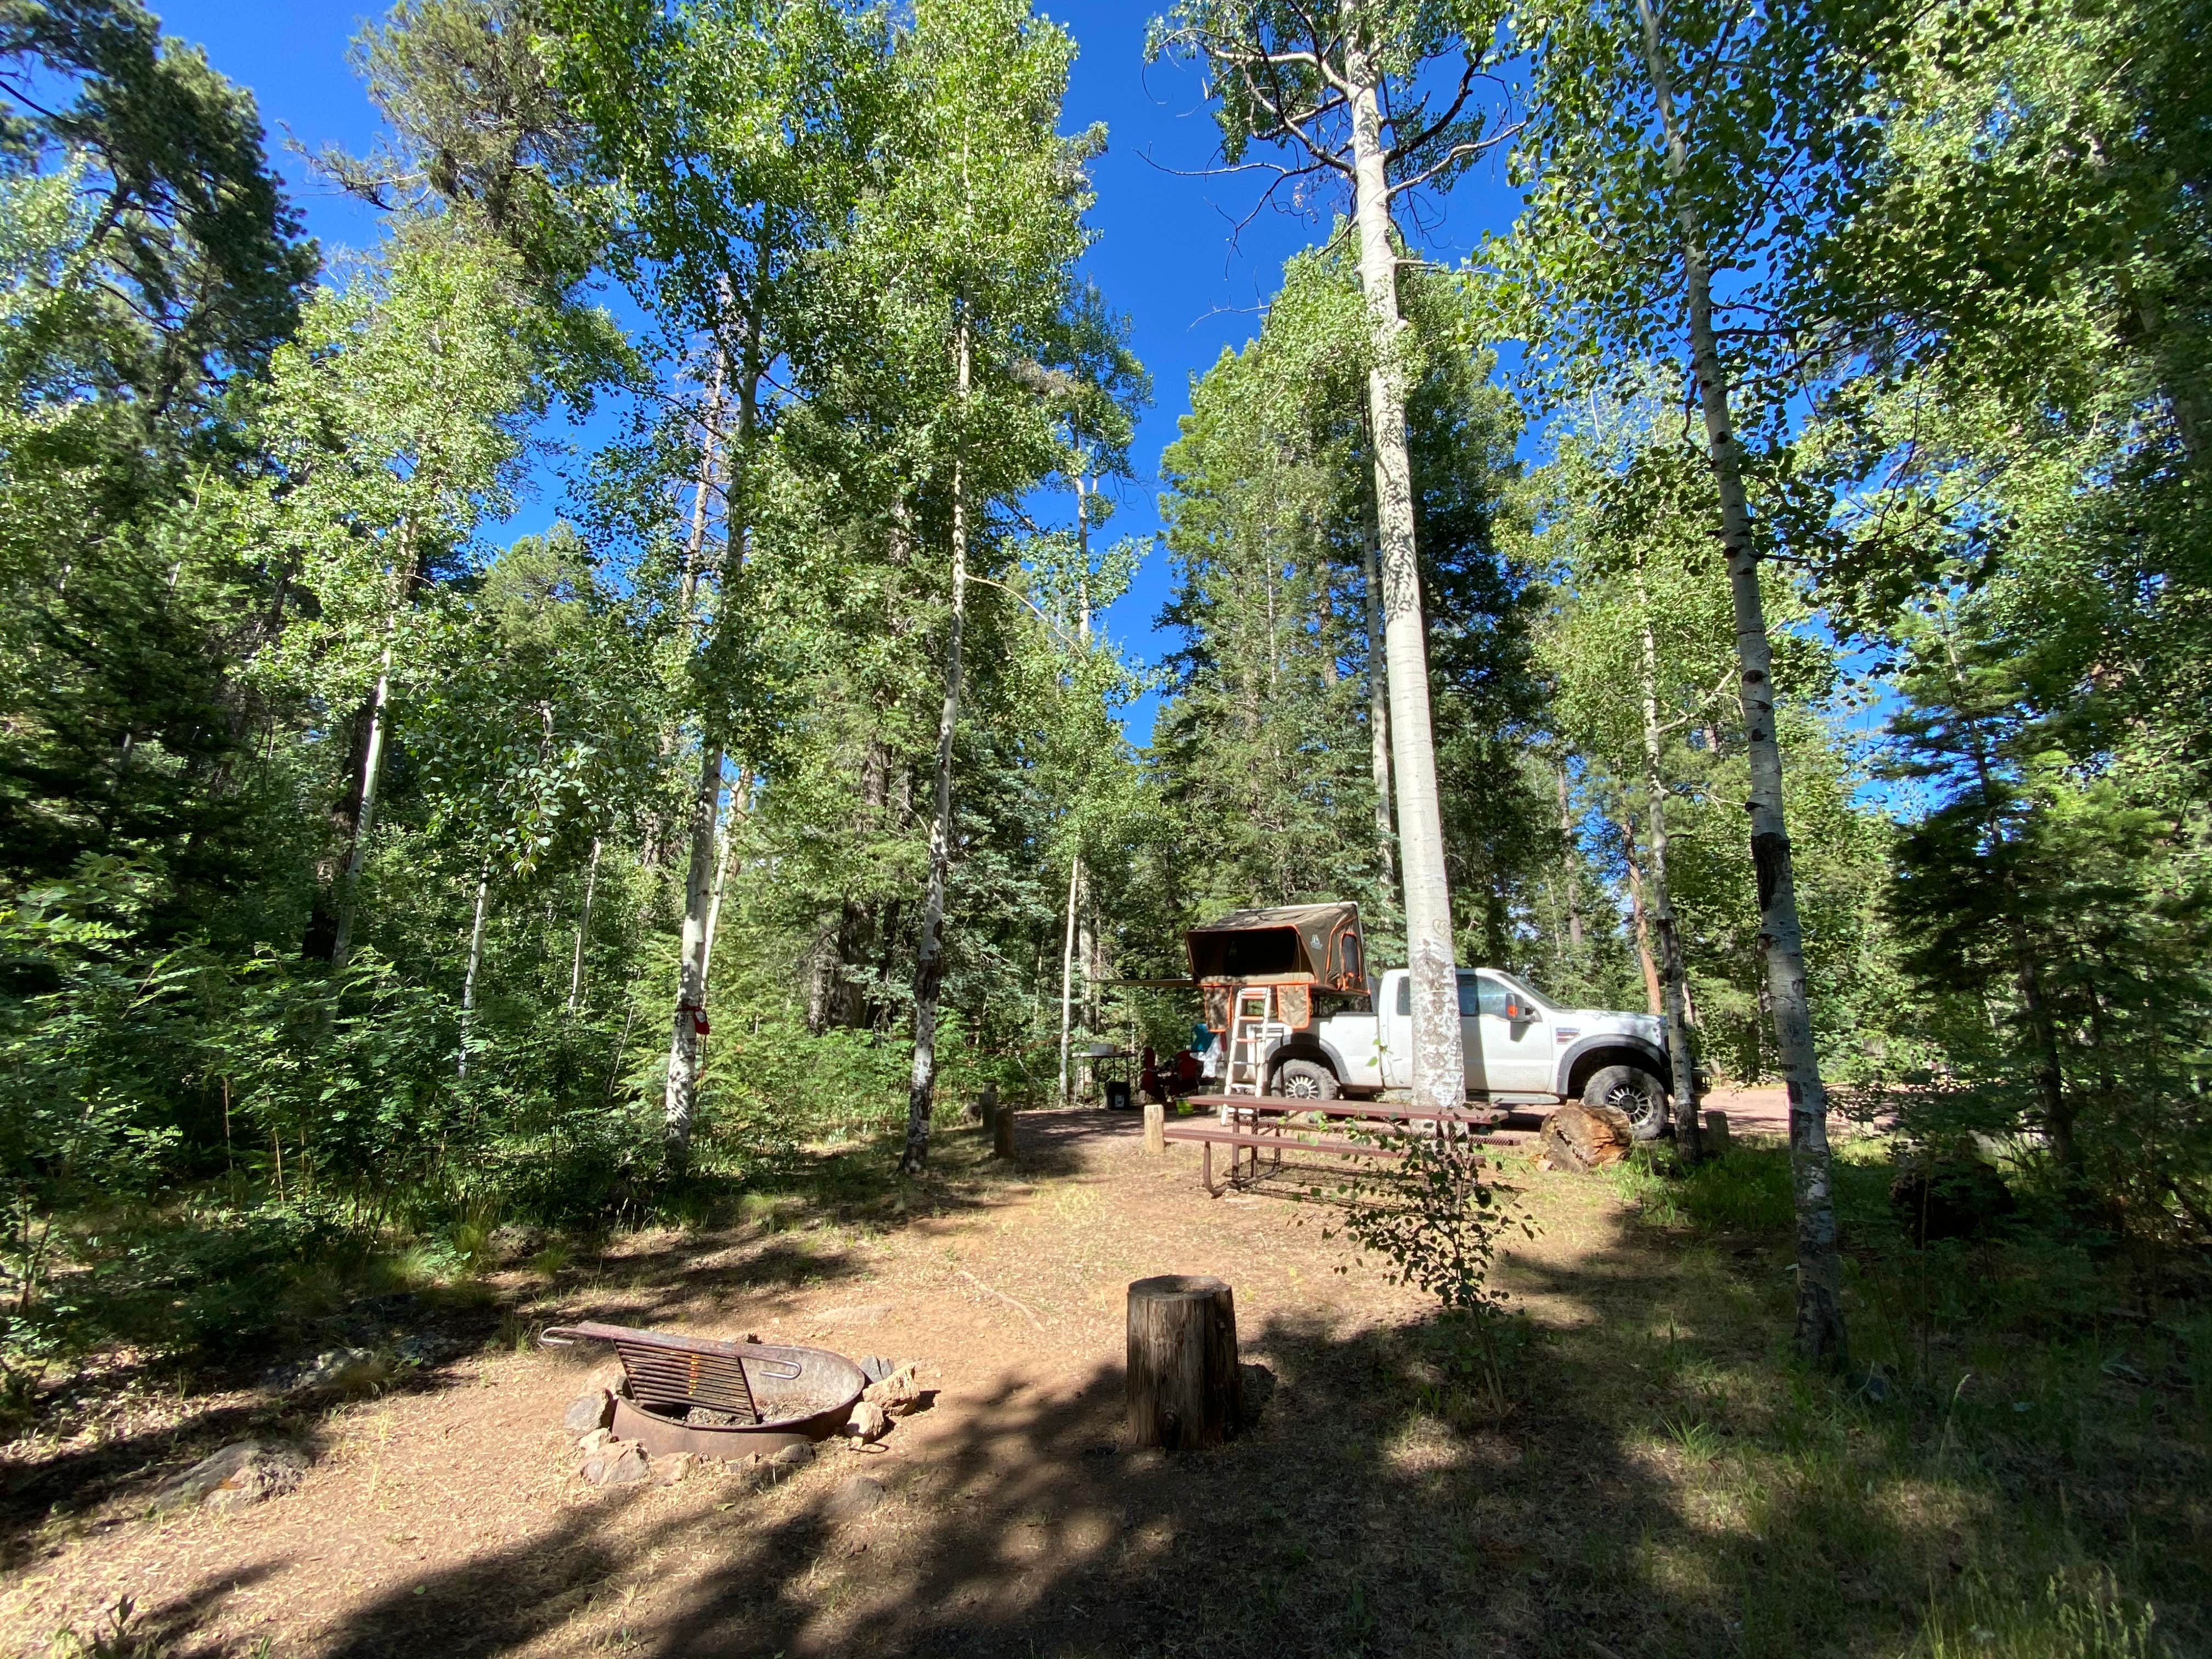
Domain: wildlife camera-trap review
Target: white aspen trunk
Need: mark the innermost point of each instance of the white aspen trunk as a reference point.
(372, 765)
(1438, 1068)
(680, 1100)
(1067, 978)
(475, 959)
(679, 1107)
(929, 960)
(1821, 1334)
(1086, 954)
(583, 928)
(372, 770)
(1653, 1001)
(1378, 717)
(1674, 975)
(740, 793)
(1574, 885)
(711, 426)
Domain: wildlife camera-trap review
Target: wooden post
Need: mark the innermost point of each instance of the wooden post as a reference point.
(1185, 1390)
(1155, 1124)
(1717, 1134)
(1002, 1130)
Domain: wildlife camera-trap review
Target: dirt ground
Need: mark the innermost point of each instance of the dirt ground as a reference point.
(1367, 1510)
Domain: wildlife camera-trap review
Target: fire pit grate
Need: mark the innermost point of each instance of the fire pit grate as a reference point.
(721, 1398)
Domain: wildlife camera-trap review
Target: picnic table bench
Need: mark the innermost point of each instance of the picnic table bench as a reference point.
(1249, 1125)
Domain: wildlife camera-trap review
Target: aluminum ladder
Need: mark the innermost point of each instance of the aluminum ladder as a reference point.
(1252, 1028)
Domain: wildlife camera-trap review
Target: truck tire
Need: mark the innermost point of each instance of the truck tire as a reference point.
(1305, 1079)
(1633, 1091)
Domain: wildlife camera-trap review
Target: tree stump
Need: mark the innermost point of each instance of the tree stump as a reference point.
(1156, 1127)
(1581, 1137)
(1002, 1130)
(1717, 1134)
(1185, 1390)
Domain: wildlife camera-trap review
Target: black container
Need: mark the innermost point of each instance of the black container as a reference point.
(1117, 1095)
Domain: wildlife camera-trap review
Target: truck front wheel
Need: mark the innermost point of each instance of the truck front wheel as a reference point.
(1634, 1092)
(1305, 1080)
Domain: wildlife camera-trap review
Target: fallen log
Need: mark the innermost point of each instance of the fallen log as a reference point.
(1580, 1138)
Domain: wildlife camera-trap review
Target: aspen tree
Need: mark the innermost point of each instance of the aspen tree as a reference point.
(1315, 79)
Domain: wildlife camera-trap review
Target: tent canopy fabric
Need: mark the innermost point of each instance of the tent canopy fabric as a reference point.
(1313, 944)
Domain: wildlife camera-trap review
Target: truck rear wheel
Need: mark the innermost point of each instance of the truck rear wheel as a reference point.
(1305, 1080)
(1635, 1093)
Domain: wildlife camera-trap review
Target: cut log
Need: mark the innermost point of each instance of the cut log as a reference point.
(1717, 1134)
(1581, 1137)
(1156, 1127)
(1185, 1389)
(1002, 1130)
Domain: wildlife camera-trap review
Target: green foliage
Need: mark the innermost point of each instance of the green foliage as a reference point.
(1264, 750)
(1437, 1223)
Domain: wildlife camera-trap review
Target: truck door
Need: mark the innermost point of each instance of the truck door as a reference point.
(1514, 1035)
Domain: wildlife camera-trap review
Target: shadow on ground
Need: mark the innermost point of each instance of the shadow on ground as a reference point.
(1665, 1482)
(745, 1241)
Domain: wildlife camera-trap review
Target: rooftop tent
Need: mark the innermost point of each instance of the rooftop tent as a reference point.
(1297, 944)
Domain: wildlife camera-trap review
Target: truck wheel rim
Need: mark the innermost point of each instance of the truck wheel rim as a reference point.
(1631, 1102)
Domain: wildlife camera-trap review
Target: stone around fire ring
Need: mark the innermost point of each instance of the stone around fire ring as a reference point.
(594, 1410)
(626, 1467)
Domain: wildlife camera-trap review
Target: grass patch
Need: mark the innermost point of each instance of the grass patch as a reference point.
(2016, 1466)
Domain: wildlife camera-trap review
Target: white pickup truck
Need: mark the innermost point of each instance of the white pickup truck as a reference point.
(1522, 1050)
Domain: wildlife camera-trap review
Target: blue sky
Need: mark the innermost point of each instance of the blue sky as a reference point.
(1169, 252)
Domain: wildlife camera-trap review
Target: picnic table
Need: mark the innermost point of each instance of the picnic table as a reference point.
(1251, 1125)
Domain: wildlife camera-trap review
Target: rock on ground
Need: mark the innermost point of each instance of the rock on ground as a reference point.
(868, 1422)
(594, 1410)
(619, 1465)
(239, 1476)
(898, 1393)
(676, 1467)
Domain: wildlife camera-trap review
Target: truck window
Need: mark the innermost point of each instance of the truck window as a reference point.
(1478, 994)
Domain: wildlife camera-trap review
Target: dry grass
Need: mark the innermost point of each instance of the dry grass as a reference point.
(1665, 1482)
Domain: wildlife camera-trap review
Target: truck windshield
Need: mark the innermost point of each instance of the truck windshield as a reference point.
(1530, 992)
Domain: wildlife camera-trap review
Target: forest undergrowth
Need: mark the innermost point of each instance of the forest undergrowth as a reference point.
(2014, 1468)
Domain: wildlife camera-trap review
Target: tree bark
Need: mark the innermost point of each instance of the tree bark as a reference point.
(584, 928)
(1674, 975)
(1574, 885)
(739, 791)
(1821, 1334)
(1439, 1077)
(475, 960)
(1185, 1389)
(929, 959)
(371, 766)
(1378, 709)
(680, 1103)
(1067, 979)
(1640, 917)
(711, 430)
